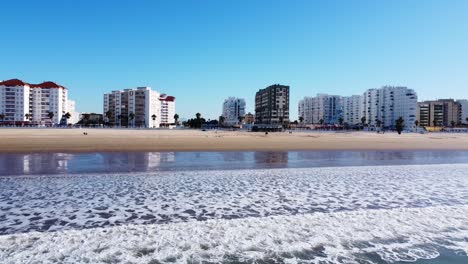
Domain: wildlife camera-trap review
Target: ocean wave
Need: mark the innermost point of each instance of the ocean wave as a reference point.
(361, 236)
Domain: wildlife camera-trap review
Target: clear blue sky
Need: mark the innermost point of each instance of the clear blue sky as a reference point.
(204, 51)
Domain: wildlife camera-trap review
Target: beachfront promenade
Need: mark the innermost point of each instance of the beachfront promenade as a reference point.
(74, 140)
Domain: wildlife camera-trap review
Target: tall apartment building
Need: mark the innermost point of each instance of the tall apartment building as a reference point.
(272, 105)
(323, 107)
(463, 111)
(71, 108)
(139, 107)
(352, 109)
(389, 103)
(18, 99)
(233, 108)
(443, 112)
(167, 110)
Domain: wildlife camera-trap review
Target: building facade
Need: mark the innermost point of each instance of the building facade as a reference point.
(43, 103)
(233, 108)
(249, 118)
(463, 103)
(321, 109)
(74, 115)
(385, 105)
(272, 105)
(139, 107)
(167, 110)
(443, 112)
(352, 109)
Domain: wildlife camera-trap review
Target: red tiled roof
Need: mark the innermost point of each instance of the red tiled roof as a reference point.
(17, 82)
(167, 98)
(13, 82)
(47, 85)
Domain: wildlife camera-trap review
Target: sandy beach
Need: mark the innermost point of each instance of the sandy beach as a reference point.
(73, 140)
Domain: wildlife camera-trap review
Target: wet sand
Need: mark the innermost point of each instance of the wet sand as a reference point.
(104, 140)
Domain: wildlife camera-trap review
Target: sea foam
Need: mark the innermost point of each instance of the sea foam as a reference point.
(361, 236)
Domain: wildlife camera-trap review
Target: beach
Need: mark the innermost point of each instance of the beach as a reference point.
(26, 140)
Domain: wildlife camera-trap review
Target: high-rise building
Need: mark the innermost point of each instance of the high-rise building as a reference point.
(233, 108)
(167, 110)
(43, 103)
(74, 115)
(323, 108)
(389, 103)
(352, 109)
(139, 107)
(463, 111)
(272, 105)
(443, 112)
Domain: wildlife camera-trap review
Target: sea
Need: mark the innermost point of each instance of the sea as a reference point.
(235, 207)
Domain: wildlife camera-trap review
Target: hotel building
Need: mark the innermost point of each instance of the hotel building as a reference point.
(21, 101)
(443, 112)
(139, 107)
(321, 108)
(167, 110)
(463, 111)
(272, 105)
(389, 103)
(352, 109)
(233, 108)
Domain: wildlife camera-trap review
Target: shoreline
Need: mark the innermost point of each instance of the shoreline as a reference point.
(44, 140)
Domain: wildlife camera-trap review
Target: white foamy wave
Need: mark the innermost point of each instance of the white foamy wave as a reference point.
(362, 236)
(88, 201)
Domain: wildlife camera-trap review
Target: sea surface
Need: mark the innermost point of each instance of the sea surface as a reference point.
(235, 207)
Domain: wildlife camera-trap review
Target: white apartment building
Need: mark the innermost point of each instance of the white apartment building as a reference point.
(323, 107)
(233, 108)
(139, 107)
(389, 103)
(463, 111)
(352, 109)
(18, 98)
(75, 116)
(167, 110)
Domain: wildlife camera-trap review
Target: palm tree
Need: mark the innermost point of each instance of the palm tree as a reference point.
(51, 116)
(416, 123)
(2, 116)
(221, 120)
(453, 123)
(154, 119)
(67, 116)
(131, 116)
(28, 116)
(198, 120)
(109, 115)
(434, 122)
(340, 121)
(120, 119)
(176, 119)
(400, 124)
(379, 123)
(301, 119)
(363, 121)
(321, 121)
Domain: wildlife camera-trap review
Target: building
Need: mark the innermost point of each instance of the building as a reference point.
(463, 111)
(74, 115)
(249, 118)
(321, 109)
(233, 108)
(442, 112)
(43, 103)
(352, 109)
(385, 105)
(167, 110)
(272, 105)
(139, 107)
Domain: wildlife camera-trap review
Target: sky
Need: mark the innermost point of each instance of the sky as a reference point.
(204, 51)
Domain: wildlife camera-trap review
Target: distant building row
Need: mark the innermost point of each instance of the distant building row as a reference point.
(382, 106)
(139, 107)
(44, 103)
